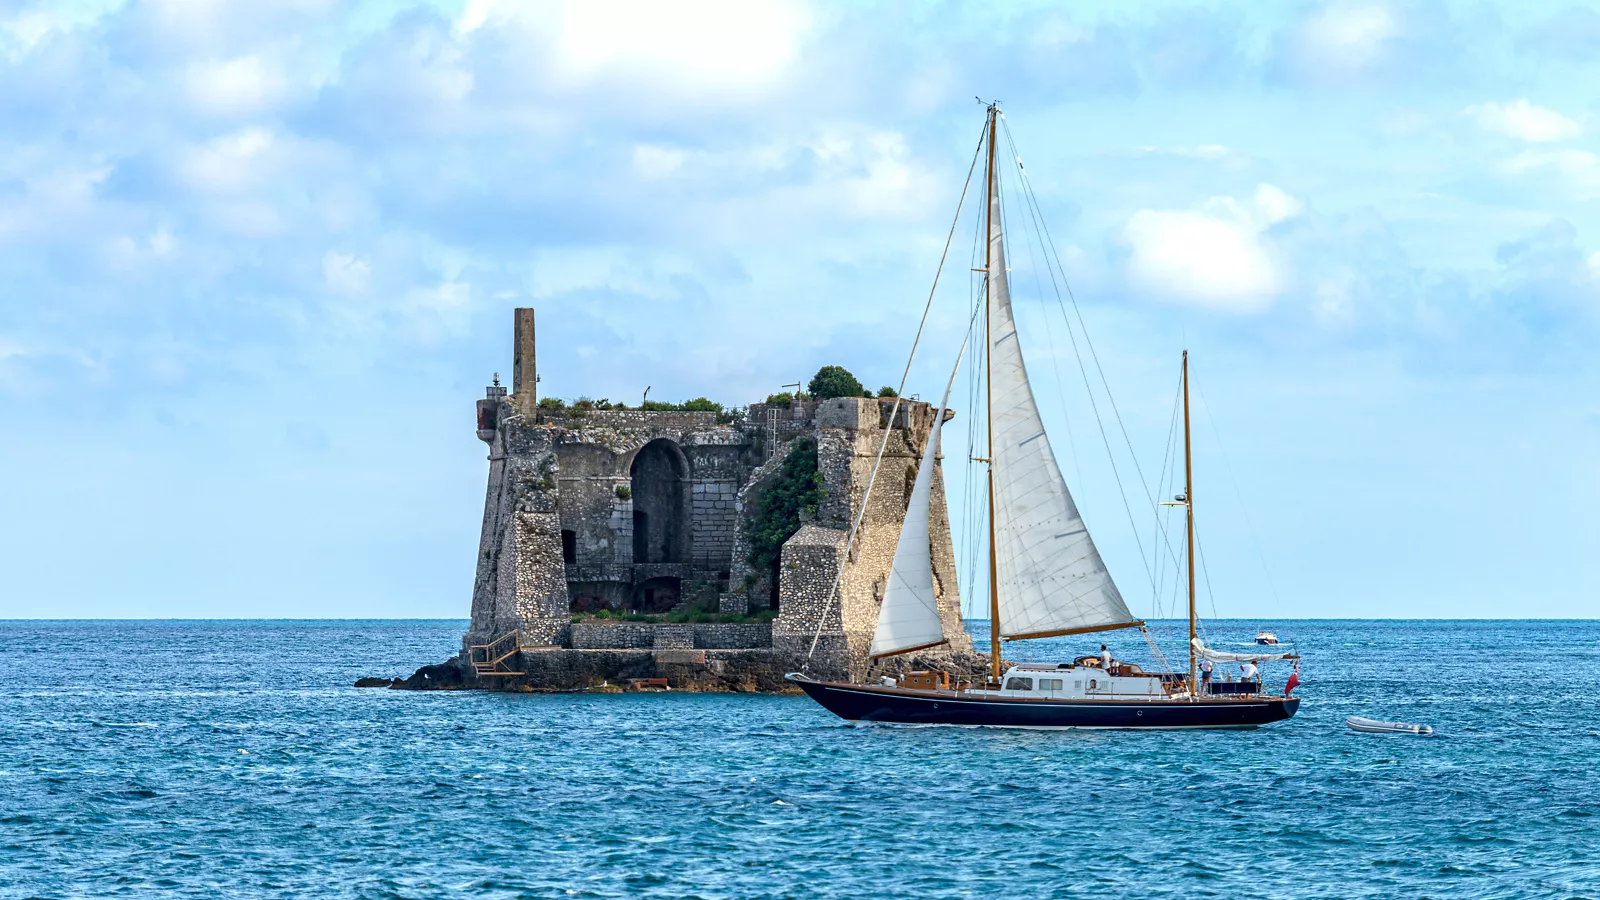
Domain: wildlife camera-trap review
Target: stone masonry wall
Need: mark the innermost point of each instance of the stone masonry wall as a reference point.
(561, 506)
(702, 635)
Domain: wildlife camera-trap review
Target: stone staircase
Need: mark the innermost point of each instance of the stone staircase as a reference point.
(675, 644)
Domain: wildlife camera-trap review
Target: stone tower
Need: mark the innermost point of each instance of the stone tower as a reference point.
(595, 514)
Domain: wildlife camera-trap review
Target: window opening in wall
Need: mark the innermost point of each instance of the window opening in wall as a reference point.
(569, 545)
(1019, 684)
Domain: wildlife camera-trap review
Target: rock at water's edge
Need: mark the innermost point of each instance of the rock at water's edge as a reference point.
(373, 682)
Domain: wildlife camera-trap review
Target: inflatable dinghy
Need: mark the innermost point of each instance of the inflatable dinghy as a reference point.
(1373, 726)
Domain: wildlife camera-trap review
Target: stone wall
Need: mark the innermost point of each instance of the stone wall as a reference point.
(573, 498)
(650, 635)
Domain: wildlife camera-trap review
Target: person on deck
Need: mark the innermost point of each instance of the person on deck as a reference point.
(1249, 672)
(1205, 674)
(1105, 658)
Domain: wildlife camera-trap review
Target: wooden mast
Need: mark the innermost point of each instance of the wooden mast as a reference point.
(1188, 504)
(988, 262)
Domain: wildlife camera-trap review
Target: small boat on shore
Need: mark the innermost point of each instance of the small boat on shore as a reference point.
(1376, 726)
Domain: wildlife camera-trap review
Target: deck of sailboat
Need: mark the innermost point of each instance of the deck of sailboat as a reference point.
(912, 706)
(996, 696)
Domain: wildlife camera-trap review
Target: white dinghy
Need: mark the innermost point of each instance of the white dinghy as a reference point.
(1374, 726)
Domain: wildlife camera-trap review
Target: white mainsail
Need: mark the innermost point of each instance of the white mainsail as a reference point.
(1051, 578)
(909, 617)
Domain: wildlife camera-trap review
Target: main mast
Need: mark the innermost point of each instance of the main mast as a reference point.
(988, 262)
(1188, 506)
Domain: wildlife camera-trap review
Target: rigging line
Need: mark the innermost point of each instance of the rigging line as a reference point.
(970, 517)
(1055, 369)
(1239, 495)
(1104, 438)
(1206, 572)
(855, 528)
(1169, 454)
(1143, 483)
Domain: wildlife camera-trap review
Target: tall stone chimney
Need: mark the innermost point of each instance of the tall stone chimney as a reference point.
(524, 368)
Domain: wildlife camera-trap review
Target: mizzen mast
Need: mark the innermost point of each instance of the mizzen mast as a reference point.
(1188, 508)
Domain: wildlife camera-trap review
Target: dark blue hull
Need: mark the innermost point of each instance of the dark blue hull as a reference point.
(870, 703)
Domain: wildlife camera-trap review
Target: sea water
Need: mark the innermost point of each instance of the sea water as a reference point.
(203, 759)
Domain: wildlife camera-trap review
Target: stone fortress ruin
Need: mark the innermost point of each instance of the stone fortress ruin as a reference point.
(695, 546)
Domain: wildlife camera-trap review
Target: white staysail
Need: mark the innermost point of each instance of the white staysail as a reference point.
(1051, 578)
(909, 617)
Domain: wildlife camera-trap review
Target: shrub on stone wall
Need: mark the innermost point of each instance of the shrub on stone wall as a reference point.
(698, 404)
(796, 489)
(887, 391)
(835, 381)
(552, 403)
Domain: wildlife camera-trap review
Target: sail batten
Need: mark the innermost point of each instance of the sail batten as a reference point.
(1050, 577)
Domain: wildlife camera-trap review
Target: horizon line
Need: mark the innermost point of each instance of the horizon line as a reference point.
(974, 619)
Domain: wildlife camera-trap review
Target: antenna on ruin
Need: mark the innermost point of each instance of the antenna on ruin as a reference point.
(497, 379)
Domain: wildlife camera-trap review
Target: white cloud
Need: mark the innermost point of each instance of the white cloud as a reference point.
(715, 44)
(701, 48)
(1190, 256)
(1578, 170)
(229, 163)
(1276, 206)
(1202, 151)
(653, 162)
(1524, 121)
(345, 274)
(1594, 264)
(234, 87)
(446, 295)
(1214, 257)
(1347, 37)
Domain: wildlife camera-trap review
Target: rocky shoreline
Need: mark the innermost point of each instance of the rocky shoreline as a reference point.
(698, 671)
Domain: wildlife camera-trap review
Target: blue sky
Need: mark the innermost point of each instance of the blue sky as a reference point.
(259, 260)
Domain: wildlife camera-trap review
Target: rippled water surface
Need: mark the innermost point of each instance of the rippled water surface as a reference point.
(233, 758)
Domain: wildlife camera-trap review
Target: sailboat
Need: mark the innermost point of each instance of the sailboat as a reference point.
(1046, 579)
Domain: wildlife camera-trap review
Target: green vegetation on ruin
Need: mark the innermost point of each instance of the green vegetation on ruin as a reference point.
(835, 381)
(796, 489)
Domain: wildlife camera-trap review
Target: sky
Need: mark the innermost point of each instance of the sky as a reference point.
(258, 260)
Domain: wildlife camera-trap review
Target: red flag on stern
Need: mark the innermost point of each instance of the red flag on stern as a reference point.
(1294, 681)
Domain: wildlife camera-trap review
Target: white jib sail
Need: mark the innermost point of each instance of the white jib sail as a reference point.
(1052, 580)
(909, 617)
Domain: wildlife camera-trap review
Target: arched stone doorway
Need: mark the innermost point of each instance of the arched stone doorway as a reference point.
(661, 510)
(657, 595)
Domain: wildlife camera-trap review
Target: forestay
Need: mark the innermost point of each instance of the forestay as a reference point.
(1051, 578)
